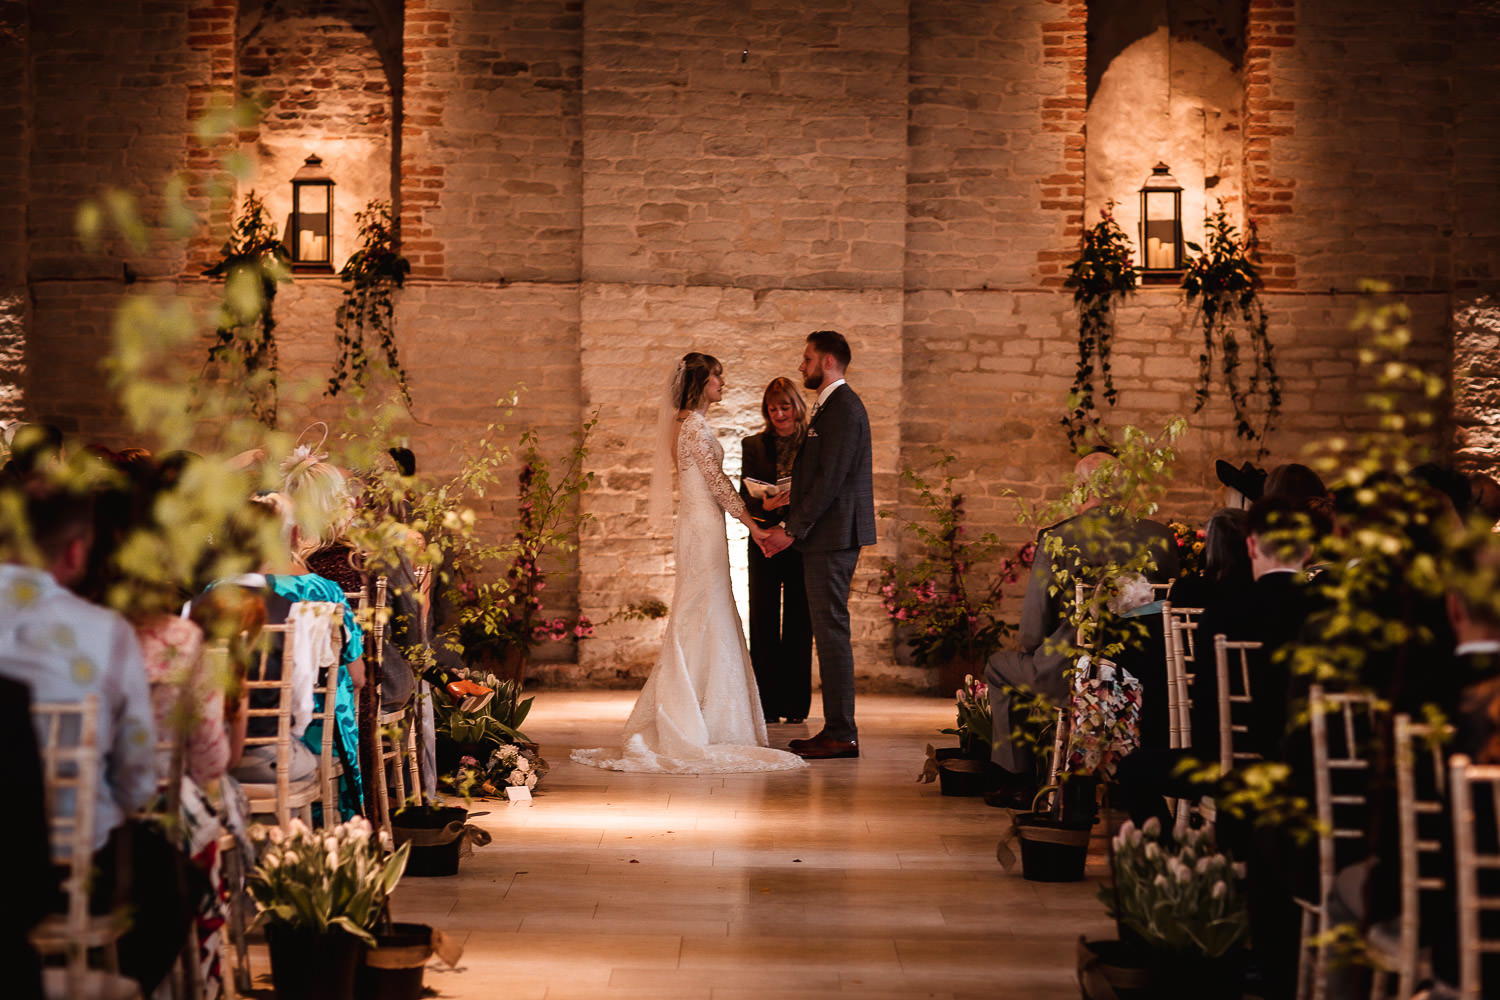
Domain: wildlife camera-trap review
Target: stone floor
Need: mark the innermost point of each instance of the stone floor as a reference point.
(847, 880)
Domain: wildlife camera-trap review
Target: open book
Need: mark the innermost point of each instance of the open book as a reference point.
(762, 490)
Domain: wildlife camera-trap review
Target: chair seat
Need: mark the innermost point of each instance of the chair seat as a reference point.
(302, 792)
(93, 984)
(53, 936)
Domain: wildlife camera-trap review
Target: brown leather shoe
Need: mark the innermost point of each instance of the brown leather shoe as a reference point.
(823, 747)
(797, 746)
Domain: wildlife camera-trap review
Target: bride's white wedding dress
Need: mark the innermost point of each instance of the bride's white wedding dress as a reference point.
(699, 712)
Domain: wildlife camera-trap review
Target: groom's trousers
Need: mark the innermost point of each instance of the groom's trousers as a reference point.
(827, 574)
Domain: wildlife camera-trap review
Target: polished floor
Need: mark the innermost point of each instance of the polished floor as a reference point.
(846, 880)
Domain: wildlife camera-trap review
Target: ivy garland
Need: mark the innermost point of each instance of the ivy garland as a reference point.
(1225, 281)
(1103, 272)
(371, 275)
(252, 264)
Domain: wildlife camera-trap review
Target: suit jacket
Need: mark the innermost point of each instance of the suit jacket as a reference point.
(833, 493)
(1099, 538)
(1273, 613)
(758, 461)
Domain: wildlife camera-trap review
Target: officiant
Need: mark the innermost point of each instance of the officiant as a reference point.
(780, 627)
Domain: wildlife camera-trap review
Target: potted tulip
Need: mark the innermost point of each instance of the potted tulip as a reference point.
(320, 894)
(1182, 917)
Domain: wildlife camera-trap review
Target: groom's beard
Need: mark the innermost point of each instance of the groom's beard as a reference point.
(813, 381)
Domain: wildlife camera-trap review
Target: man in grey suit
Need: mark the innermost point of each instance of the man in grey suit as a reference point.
(831, 515)
(1098, 535)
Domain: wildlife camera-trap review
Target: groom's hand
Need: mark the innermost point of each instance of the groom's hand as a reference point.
(776, 539)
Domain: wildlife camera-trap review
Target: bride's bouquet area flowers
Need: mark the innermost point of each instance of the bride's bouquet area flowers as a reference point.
(1179, 894)
(509, 766)
(323, 881)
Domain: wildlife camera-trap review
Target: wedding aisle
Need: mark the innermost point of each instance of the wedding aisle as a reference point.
(847, 879)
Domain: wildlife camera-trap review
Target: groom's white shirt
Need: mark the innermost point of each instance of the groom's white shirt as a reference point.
(823, 396)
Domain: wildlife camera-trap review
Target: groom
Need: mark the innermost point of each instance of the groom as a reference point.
(831, 514)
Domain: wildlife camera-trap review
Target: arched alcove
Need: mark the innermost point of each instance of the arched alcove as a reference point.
(1164, 85)
(327, 73)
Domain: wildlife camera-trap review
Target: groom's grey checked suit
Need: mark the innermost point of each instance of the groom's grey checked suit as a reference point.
(832, 514)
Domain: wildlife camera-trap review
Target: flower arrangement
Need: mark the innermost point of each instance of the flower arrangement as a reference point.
(1178, 895)
(943, 615)
(498, 722)
(1190, 543)
(976, 725)
(323, 881)
(509, 765)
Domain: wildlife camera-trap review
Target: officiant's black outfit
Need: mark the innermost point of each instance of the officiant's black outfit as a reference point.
(780, 625)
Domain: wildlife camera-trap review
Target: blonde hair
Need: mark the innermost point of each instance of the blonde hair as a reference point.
(321, 503)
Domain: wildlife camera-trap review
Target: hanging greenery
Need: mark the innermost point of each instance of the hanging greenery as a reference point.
(252, 264)
(372, 274)
(1102, 273)
(1225, 282)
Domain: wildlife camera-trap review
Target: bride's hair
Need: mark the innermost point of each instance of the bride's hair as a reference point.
(782, 386)
(696, 370)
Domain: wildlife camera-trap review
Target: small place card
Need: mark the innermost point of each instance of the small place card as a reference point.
(519, 795)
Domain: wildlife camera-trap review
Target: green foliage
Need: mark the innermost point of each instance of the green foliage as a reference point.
(1180, 895)
(1103, 273)
(322, 881)
(252, 264)
(496, 723)
(1131, 485)
(1225, 282)
(943, 615)
(371, 276)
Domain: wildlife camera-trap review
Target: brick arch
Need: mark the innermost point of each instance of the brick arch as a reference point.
(328, 73)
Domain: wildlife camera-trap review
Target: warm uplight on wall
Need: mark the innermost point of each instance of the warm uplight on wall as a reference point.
(312, 218)
(1161, 221)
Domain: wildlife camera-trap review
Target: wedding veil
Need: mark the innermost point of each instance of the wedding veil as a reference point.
(659, 508)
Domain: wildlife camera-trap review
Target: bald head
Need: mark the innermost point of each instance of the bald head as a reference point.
(1094, 473)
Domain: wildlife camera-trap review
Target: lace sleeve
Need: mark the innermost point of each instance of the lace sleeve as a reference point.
(700, 448)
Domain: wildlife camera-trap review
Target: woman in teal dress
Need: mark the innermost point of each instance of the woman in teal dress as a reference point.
(311, 587)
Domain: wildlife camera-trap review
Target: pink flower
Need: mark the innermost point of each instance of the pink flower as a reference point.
(900, 615)
(583, 629)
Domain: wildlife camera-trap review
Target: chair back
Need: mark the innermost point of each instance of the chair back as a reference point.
(1225, 651)
(1421, 789)
(72, 767)
(1476, 809)
(279, 683)
(1342, 725)
(1178, 628)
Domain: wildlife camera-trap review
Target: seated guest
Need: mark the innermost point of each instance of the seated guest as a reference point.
(1099, 535)
(284, 582)
(65, 648)
(1226, 575)
(1295, 482)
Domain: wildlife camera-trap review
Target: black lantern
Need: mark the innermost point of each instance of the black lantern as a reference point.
(1161, 221)
(312, 218)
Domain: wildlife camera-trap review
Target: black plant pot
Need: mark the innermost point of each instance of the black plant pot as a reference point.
(435, 834)
(310, 966)
(1052, 851)
(1112, 969)
(393, 968)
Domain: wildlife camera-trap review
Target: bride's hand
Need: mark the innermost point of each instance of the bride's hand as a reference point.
(757, 533)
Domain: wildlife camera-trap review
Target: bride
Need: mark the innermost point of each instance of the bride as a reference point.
(699, 712)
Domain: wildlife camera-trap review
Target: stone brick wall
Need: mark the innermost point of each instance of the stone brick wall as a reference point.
(1355, 177)
(995, 171)
(491, 188)
(749, 152)
(15, 122)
